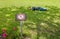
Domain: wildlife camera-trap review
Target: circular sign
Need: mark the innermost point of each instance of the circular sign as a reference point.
(20, 17)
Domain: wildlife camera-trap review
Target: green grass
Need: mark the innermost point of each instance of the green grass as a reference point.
(18, 3)
(46, 22)
(38, 25)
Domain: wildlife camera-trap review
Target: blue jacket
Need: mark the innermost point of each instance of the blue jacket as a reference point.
(39, 8)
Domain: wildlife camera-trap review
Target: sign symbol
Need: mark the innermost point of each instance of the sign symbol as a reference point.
(21, 17)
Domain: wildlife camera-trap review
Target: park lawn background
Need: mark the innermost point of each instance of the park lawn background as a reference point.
(18, 3)
(47, 22)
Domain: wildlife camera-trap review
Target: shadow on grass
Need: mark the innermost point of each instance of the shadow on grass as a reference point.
(47, 23)
(50, 27)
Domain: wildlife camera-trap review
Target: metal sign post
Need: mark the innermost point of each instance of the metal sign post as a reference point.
(21, 29)
(21, 18)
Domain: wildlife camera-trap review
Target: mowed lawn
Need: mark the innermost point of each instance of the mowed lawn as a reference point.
(38, 25)
(18, 3)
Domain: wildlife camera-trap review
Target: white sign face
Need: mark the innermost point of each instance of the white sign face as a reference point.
(21, 17)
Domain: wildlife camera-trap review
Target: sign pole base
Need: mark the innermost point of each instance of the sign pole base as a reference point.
(21, 36)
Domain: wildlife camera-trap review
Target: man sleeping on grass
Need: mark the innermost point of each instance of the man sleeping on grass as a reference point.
(37, 8)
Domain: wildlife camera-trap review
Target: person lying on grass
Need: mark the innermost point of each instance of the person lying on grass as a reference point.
(37, 8)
